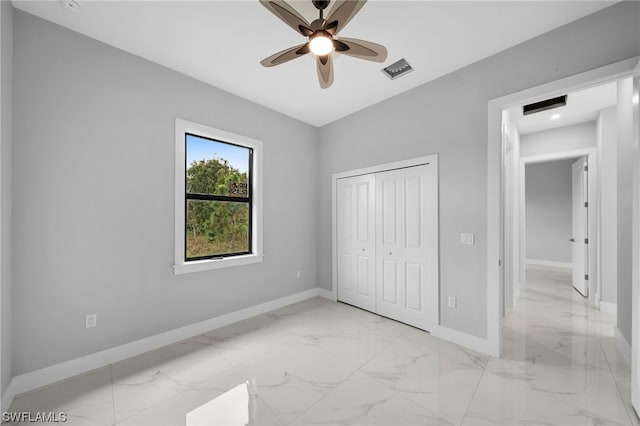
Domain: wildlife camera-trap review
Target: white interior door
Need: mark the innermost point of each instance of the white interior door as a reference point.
(356, 241)
(579, 226)
(402, 262)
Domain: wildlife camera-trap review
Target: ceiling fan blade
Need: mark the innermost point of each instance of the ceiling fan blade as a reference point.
(288, 15)
(340, 46)
(325, 70)
(364, 49)
(285, 56)
(343, 11)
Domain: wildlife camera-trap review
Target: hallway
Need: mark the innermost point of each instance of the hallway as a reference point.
(560, 364)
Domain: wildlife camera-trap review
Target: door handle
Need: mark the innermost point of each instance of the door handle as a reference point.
(572, 240)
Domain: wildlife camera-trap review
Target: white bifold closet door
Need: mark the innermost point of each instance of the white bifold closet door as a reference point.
(402, 255)
(356, 241)
(387, 243)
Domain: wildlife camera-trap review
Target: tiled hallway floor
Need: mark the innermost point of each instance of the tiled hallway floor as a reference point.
(319, 362)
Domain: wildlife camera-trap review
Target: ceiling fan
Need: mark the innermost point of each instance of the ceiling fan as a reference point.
(323, 36)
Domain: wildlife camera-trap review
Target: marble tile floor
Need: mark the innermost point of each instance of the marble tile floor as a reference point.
(319, 362)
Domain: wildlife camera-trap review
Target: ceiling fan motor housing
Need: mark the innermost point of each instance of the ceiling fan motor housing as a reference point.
(321, 4)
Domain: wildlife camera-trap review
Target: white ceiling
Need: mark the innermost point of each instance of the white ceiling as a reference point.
(222, 42)
(582, 106)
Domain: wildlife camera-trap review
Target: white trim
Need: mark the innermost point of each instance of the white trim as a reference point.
(463, 339)
(609, 307)
(327, 294)
(434, 290)
(635, 244)
(180, 265)
(411, 162)
(623, 346)
(560, 155)
(55, 373)
(549, 263)
(494, 169)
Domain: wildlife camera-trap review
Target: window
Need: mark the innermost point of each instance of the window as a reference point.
(218, 198)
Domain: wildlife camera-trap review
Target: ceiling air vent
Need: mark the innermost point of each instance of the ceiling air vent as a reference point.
(545, 105)
(397, 69)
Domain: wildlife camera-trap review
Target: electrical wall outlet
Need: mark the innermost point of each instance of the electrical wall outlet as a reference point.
(467, 238)
(452, 302)
(298, 274)
(91, 320)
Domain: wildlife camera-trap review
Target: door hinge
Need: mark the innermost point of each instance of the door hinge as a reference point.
(586, 204)
(586, 277)
(586, 241)
(499, 262)
(586, 168)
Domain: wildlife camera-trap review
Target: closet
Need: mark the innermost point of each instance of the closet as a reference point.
(386, 242)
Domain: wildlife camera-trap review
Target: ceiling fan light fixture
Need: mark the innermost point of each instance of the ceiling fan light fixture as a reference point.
(321, 43)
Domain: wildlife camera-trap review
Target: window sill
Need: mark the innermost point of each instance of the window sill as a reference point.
(209, 264)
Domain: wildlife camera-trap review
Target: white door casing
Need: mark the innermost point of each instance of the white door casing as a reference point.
(635, 249)
(356, 241)
(600, 75)
(579, 241)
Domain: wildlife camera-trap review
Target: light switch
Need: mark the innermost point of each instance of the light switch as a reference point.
(467, 238)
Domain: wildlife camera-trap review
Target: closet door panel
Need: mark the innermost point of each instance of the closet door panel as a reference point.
(415, 249)
(413, 212)
(413, 286)
(390, 271)
(364, 276)
(356, 241)
(401, 201)
(389, 283)
(389, 211)
(345, 243)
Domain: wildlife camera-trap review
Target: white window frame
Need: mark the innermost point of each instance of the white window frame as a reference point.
(181, 266)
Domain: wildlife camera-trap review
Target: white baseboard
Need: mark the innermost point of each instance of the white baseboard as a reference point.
(7, 396)
(463, 339)
(609, 307)
(549, 263)
(623, 346)
(48, 375)
(327, 294)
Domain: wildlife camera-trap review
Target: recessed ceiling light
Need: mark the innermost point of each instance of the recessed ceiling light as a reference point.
(555, 116)
(72, 5)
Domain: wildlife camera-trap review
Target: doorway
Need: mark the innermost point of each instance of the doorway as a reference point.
(556, 216)
(496, 179)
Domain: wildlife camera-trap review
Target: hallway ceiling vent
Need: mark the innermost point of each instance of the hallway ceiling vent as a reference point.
(397, 69)
(545, 105)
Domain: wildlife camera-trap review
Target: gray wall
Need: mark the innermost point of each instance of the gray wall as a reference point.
(448, 116)
(6, 135)
(608, 181)
(93, 198)
(625, 181)
(548, 206)
(566, 138)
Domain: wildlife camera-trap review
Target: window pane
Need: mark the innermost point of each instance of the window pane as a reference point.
(216, 228)
(217, 168)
